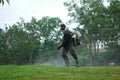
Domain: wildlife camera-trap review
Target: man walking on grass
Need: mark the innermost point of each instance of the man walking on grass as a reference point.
(67, 45)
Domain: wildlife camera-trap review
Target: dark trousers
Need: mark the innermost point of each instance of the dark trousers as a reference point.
(72, 52)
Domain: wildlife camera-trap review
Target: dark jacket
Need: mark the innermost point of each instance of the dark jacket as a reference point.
(67, 39)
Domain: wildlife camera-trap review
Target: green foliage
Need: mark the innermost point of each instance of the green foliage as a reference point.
(49, 30)
(2, 45)
(34, 72)
(3, 1)
(21, 43)
(24, 42)
(46, 30)
(20, 46)
(113, 52)
(100, 23)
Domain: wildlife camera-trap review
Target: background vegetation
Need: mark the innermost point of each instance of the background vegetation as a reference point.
(37, 40)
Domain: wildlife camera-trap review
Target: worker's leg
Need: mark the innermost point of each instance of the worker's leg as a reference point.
(64, 55)
(73, 53)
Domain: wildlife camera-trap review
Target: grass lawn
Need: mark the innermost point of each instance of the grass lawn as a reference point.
(36, 72)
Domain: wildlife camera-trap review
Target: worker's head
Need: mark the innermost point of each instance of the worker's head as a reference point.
(62, 27)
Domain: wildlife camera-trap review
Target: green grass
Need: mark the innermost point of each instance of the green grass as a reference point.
(35, 72)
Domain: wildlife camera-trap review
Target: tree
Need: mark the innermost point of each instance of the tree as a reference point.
(100, 23)
(50, 35)
(46, 30)
(2, 46)
(3, 1)
(21, 43)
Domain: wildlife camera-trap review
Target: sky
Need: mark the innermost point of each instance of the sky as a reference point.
(10, 14)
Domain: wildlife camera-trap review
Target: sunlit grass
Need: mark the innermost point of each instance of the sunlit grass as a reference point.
(35, 72)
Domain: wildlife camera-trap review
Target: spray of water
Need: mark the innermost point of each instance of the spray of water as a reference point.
(56, 61)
